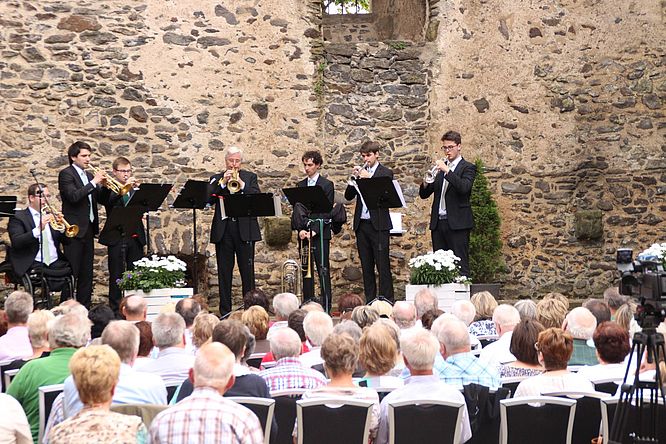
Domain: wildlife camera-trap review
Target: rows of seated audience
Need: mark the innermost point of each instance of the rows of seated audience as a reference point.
(191, 361)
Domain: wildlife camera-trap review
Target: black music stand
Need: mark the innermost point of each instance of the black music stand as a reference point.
(149, 196)
(7, 206)
(121, 224)
(379, 193)
(194, 196)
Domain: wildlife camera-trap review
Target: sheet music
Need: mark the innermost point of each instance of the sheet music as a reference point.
(396, 185)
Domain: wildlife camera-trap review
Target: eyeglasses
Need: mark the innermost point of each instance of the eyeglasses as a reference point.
(124, 171)
(536, 346)
(448, 147)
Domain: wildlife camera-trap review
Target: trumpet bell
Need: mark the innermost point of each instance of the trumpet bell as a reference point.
(72, 230)
(431, 174)
(126, 189)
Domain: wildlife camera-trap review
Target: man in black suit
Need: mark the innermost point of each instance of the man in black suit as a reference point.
(78, 192)
(319, 239)
(24, 232)
(233, 236)
(451, 219)
(123, 253)
(372, 228)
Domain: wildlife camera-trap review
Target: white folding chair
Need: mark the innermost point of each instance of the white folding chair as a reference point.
(47, 394)
(264, 408)
(536, 416)
(426, 425)
(333, 431)
(9, 376)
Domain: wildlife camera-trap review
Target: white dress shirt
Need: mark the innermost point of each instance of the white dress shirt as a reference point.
(48, 239)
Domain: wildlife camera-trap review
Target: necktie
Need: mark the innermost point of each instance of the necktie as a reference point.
(46, 251)
(84, 179)
(311, 183)
(126, 198)
(442, 200)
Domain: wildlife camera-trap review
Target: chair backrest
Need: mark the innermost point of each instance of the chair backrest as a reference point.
(542, 419)
(607, 385)
(9, 376)
(484, 412)
(487, 339)
(420, 420)
(332, 421)
(147, 412)
(608, 407)
(588, 414)
(171, 390)
(2, 374)
(47, 394)
(264, 408)
(285, 413)
(511, 383)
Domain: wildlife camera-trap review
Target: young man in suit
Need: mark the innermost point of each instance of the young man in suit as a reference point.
(451, 218)
(124, 252)
(25, 230)
(320, 240)
(233, 237)
(78, 192)
(372, 229)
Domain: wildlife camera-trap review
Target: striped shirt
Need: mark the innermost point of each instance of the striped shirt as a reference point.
(465, 368)
(289, 373)
(206, 416)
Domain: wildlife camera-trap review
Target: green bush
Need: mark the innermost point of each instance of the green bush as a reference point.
(485, 246)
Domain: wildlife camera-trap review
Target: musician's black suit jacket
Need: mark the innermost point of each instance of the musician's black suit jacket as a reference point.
(375, 215)
(458, 208)
(247, 226)
(112, 200)
(329, 191)
(24, 245)
(74, 196)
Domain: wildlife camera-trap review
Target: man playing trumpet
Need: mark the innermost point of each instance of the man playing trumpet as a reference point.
(233, 237)
(123, 253)
(78, 192)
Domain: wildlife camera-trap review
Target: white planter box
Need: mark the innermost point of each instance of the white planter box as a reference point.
(158, 298)
(447, 294)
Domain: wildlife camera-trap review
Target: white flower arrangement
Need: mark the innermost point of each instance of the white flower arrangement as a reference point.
(655, 253)
(436, 268)
(154, 272)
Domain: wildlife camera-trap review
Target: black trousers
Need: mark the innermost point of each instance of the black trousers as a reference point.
(444, 238)
(373, 249)
(119, 261)
(229, 247)
(56, 284)
(80, 253)
(323, 274)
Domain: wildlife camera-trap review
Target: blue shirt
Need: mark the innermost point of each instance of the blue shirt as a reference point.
(465, 368)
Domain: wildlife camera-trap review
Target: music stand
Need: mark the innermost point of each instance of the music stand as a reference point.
(7, 206)
(194, 196)
(379, 193)
(120, 224)
(149, 196)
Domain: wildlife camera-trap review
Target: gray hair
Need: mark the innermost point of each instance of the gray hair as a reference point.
(364, 315)
(425, 300)
(464, 310)
(38, 328)
(18, 307)
(506, 315)
(70, 330)
(123, 337)
(250, 344)
(419, 347)
(188, 308)
(168, 329)
(317, 326)
(70, 306)
(404, 314)
(213, 365)
(233, 150)
(284, 304)
(581, 323)
(285, 343)
(454, 335)
(441, 320)
(613, 298)
(527, 309)
(351, 328)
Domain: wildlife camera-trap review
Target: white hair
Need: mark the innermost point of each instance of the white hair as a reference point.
(419, 347)
(70, 330)
(464, 310)
(285, 343)
(438, 323)
(38, 328)
(284, 304)
(123, 337)
(404, 314)
(351, 328)
(18, 307)
(506, 316)
(454, 335)
(168, 329)
(233, 150)
(527, 309)
(213, 366)
(581, 323)
(425, 300)
(317, 326)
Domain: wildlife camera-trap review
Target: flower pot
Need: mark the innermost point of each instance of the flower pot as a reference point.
(158, 298)
(447, 294)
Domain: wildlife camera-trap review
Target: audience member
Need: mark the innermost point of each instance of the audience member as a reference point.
(70, 306)
(188, 309)
(14, 427)
(465, 311)
(67, 333)
(256, 319)
(580, 322)
(340, 354)
(250, 345)
(364, 316)
(484, 304)
(145, 341)
(317, 326)
(378, 353)
(505, 317)
(347, 303)
(527, 309)
(135, 308)
(612, 344)
(551, 312)
(424, 301)
(15, 344)
(559, 297)
(429, 317)
(524, 336)
(419, 350)
(614, 299)
(599, 309)
(460, 366)
(3, 323)
(295, 322)
(95, 371)
(312, 305)
(383, 308)
(394, 331)
(173, 362)
(625, 317)
(555, 347)
(404, 315)
(205, 413)
(289, 372)
(39, 340)
(283, 305)
(256, 297)
(202, 300)
(202, 329)
(100, 315)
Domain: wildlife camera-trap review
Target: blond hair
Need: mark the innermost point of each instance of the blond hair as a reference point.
(95, 371)
(202, 328)
(38, 327)
(485, 304)
(377, 350)
(256, 318)
(551, 312)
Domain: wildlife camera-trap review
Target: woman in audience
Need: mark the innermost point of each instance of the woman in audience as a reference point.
(612, 344)
(145, 341)
(256, 318)
(378, 354)
(429, 317)
(340, 354)
(347, 303)
(100, 316)
(555, 347)
(551, 312)
(483, 324)
(364, 316)
(527, 309)
(524, 336)
(95, 371)
(202, 329)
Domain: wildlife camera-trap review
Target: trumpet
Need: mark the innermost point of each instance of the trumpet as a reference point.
(356, 174)
(112, 183)
(431, 174)
(306, 257)
(58, 221)
(233, 184)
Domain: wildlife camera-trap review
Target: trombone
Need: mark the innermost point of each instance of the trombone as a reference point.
(112, 183)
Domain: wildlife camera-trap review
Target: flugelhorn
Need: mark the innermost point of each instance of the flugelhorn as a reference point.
(356, 173)
(234, 185)
(112, 183)
(431, 174)
(58, 221)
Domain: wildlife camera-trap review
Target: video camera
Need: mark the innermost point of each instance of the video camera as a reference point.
(644, 279)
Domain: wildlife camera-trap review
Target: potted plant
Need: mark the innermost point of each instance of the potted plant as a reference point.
(440, 272)
(160, 280)
(486, 262)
